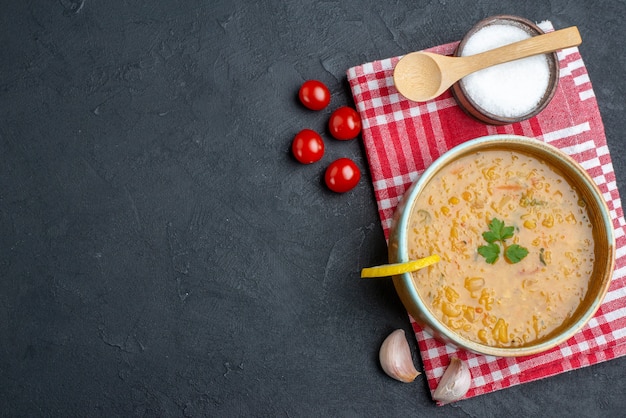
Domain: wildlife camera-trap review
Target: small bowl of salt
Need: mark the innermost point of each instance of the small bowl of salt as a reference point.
(510, 92)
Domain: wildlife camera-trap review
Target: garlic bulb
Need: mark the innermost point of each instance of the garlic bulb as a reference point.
(395, 357)
(454, 383)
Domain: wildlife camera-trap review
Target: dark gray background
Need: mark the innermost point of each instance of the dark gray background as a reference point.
(161, 252)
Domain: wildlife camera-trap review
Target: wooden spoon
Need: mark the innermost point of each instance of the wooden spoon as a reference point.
(422, 76)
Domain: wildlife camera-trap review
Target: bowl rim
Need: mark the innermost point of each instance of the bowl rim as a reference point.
(398, 248)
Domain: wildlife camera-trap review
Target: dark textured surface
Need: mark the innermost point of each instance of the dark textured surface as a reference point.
(161, 252)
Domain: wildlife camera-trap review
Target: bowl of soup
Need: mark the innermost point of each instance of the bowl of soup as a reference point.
(526, 245)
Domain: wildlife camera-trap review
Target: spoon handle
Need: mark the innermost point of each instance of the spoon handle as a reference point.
(540, 44)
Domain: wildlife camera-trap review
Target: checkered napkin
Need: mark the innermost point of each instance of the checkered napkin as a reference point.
(402, 138)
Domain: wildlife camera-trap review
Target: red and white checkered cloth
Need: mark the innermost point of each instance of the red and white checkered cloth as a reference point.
(402, 138)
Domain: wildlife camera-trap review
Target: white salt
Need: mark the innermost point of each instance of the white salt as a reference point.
(511, 89)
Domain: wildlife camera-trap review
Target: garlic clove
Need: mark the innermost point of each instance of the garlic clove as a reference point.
(454, 383)
(395, 357)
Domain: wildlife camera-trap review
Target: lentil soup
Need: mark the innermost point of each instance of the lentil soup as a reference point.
(501, 302)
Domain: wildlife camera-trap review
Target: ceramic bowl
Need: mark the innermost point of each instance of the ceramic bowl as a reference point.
(470, 105)
(604, 250)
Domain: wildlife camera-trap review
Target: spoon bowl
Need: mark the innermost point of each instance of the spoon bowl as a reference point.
(423, 76)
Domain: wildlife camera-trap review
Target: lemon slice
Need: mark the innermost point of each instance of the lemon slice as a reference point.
(399, 268)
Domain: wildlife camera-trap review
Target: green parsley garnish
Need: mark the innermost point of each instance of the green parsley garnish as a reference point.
(515, 253)
(499, 233)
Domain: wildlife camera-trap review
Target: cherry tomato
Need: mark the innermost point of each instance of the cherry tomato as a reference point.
(314, 95)
(344, 123)
(342, 175)
(307, 146)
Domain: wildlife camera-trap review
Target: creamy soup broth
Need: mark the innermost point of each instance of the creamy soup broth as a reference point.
(502, 304)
